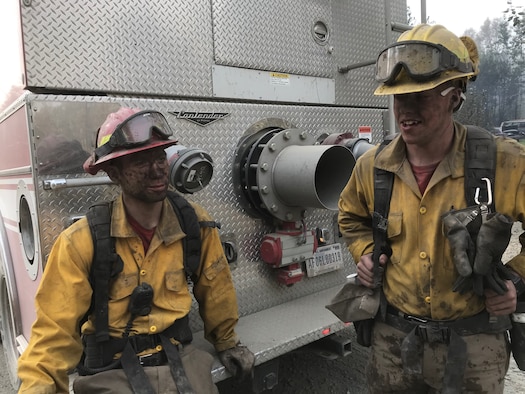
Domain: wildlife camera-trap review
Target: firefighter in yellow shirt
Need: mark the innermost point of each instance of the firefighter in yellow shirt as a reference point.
(148, 348)
(434, 332)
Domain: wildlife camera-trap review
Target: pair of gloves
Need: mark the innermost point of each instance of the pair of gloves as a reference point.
(477, 247)
(238, 361)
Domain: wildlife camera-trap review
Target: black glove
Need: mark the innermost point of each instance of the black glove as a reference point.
(238, 361)
(493, 238)
(461, 244)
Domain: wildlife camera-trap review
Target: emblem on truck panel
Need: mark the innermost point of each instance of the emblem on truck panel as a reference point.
(200, 118)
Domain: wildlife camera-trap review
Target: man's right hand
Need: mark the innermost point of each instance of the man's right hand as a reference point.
(365, 269)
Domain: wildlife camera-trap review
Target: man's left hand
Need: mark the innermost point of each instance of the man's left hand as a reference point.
(504, 304)
(239, 361)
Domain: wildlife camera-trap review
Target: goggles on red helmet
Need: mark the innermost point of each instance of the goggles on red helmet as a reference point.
(135, 131)
(421, 60)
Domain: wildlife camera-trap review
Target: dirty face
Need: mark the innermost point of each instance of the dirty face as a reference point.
(143, 175)
(425, 118)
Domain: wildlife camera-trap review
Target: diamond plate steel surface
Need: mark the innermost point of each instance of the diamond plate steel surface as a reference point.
(134, 46)
(168, 48)
(359, 38)
(256, 286)
(263, 35)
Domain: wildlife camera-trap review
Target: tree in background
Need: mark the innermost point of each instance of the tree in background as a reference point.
(498, 93)
(516, 16)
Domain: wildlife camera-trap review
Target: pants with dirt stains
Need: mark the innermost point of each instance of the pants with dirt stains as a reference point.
(487, 364)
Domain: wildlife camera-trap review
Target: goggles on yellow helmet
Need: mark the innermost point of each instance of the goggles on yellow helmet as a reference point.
(421, 60)
(135, 131)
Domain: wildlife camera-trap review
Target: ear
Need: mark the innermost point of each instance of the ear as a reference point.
(456, 99)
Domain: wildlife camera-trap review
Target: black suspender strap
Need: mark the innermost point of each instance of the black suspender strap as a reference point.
(137, 378)
(383, 185)
(480, 163)
(189, 223)
(104, 257)
(176, 368)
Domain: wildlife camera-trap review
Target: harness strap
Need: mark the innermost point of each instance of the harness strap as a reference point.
(99, 218)
(480, 162)
(455, 365)
(134, 372)
(383, 185)
(176, 368)
(191, 226)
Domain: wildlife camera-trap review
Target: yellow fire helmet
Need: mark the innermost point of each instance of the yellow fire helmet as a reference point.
(423, 58)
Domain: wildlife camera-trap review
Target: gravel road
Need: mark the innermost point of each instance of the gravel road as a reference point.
(307, 373)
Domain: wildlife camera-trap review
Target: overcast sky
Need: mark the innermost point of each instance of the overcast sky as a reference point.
(460, 15)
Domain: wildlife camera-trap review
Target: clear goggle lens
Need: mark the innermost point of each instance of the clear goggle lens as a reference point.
(137, 130)
(421, 60)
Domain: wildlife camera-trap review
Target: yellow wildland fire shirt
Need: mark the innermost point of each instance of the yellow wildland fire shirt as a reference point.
(421, 273)
(64, 295)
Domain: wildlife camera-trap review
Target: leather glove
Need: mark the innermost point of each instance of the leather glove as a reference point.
(493, 238)
(238, 361)
(494, 279)
(461, 244)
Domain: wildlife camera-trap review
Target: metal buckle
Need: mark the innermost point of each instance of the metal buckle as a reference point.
(432, 333)
(151, 359)
(145, 359)
(416, 319)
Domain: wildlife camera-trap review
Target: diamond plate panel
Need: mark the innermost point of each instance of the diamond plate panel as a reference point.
(255, 283)
(136, 46)
(359, 38)
(272, 35)
(168, 48)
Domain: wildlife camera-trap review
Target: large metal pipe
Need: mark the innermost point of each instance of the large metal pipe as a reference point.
(312, 176)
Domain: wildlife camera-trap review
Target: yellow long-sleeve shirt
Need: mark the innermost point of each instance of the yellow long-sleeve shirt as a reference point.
(420, 276)
(65, 293)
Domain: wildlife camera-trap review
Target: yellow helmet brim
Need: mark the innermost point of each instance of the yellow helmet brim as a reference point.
(404, 84)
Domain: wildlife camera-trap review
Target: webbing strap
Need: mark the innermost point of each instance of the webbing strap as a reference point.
(383, 185)
(137, 378)
(480, 162)
(104, 256)
(176, 368)
(190, 224)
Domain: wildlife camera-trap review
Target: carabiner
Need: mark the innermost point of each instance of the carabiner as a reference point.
(489, 192)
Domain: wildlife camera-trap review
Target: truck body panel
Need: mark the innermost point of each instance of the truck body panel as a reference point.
(227, 77)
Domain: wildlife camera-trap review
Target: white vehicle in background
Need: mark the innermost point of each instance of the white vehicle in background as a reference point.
(271, 102)
(514, 129)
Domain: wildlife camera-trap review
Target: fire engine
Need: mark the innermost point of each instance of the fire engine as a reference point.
(271, 102)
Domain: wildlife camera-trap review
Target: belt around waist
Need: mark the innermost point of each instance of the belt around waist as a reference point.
(477, 324)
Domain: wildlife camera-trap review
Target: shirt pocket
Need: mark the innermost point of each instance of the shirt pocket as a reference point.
(123, 286)
(395, 225)
(174, 294)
